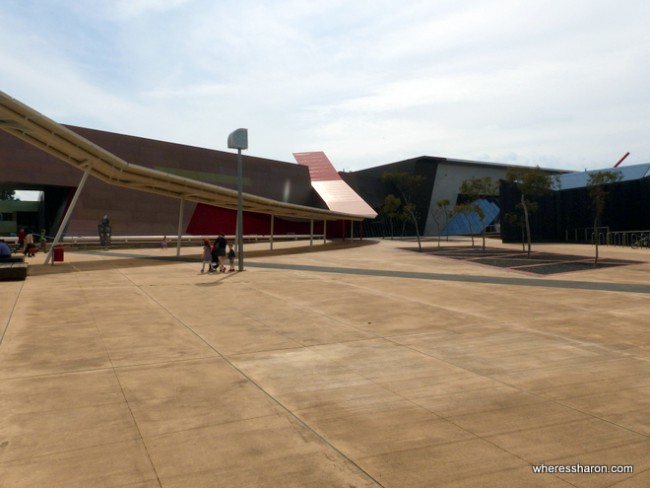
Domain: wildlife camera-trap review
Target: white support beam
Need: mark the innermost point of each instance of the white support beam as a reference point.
(68, 214)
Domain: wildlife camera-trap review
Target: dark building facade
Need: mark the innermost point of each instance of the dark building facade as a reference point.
(567, 212)
(442, 179)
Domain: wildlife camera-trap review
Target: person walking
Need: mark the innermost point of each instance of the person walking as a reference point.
(207, 256)
(220, 244)
(30, 248)
(21, 239)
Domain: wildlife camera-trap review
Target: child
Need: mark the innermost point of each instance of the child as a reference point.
(231, 258)
(207, 256)
(42, 241)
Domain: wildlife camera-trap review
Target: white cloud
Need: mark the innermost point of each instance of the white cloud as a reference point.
(562, 83)
(128, 9)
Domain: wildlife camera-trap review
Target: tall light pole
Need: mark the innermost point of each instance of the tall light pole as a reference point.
(239, 140)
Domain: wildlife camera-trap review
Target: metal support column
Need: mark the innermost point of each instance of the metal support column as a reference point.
(239, 140)
(240, 212)
(324, 231)
(67, 216)
(180, 227)
(272, 225)
(311, 232)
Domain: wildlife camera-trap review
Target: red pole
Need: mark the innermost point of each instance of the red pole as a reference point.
(621, 160)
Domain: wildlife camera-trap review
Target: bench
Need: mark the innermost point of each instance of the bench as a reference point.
(13, 259)
(14, 268)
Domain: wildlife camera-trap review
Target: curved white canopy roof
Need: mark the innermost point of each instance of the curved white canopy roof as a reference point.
(31, 126)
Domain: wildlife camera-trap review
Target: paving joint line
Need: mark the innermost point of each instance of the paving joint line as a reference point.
(475, 279)
(11, 313)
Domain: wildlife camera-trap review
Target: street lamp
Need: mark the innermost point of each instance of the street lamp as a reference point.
(239, 140)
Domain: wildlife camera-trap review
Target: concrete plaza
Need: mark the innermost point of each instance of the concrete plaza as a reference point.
(343, 366)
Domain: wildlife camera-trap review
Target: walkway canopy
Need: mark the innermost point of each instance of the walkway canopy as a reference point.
(34, 128)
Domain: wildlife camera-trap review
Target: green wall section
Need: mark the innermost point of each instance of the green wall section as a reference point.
(13, 207)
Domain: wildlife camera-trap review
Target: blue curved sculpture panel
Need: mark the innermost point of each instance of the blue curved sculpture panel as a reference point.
(471, 223)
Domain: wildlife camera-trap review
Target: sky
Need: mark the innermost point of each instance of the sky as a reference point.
(552, 83)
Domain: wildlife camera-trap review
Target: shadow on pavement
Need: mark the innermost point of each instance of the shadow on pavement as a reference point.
(541, 263)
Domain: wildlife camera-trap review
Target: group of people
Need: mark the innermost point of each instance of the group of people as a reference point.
(214, 255)
(27, 244)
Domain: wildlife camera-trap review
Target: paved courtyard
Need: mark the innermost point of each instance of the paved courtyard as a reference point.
(361, 366)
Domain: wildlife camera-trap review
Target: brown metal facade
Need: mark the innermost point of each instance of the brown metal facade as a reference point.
(132, 212)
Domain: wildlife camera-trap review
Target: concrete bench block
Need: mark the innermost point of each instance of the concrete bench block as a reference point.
(13, 271)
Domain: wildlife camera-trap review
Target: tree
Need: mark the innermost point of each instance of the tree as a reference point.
(8, 195)
(466, 209)
(406, 184)
(598, 195)
(531, 182)
(443, 204)
(409, 211)
(391, 209)
(514, 218)
(475, 189)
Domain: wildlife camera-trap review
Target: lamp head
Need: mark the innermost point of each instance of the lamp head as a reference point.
(238, 139)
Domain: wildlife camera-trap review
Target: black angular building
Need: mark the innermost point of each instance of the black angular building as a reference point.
(566, 213)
